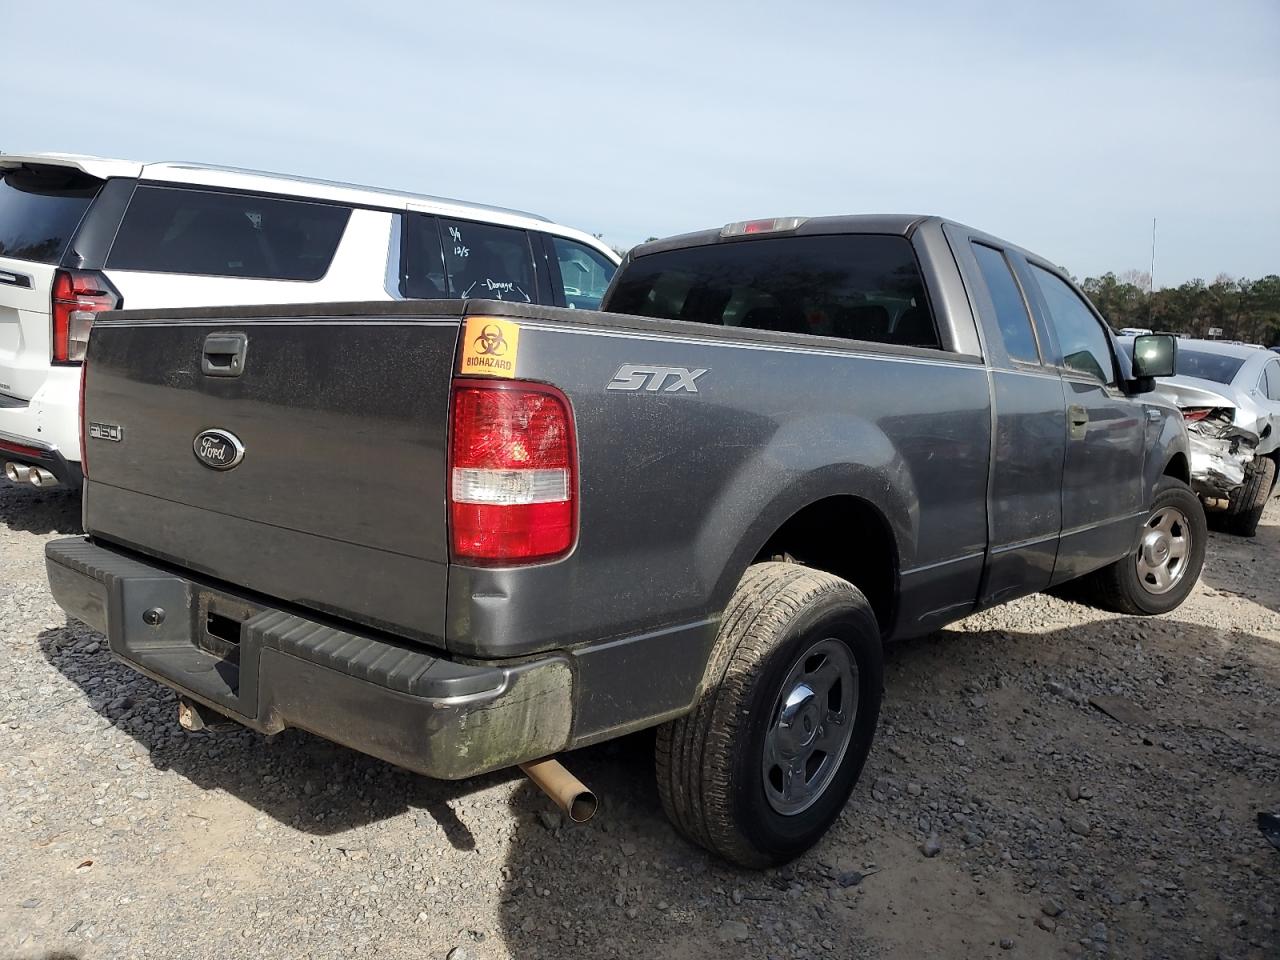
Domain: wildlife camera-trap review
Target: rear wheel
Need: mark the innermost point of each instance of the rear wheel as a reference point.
(1164, 567)
(765, 762)
(1246, 506)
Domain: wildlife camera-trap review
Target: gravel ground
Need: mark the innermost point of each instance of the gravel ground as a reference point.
(1002, 813)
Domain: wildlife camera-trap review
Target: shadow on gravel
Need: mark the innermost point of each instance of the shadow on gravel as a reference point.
(28, 510)
(296, 778)
(653, 894)
(1228, 570)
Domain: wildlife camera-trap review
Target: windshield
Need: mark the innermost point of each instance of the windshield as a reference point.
(40, 209)
(1208, 366)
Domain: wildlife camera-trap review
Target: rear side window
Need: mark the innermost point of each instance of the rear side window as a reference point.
(855, 286)
(584, 273)
(1271, 380)
(487, 261)
(40, 209)
(422, 275)
(172, 230)
(1011, 309)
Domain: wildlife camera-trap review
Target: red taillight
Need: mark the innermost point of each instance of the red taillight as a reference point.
(84, 427)
(512, 472)
(1192, 414)
(77, 296)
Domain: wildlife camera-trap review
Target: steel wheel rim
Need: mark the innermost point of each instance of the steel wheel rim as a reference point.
(1164, 550)
(810, 726)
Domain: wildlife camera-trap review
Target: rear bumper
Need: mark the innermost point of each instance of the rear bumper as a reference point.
(34, 453)
(49, 421)
(269, 669)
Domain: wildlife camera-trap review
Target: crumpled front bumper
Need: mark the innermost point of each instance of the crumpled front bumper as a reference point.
(270, 669)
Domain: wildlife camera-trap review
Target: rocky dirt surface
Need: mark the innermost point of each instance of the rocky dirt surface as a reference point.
(1002, 812)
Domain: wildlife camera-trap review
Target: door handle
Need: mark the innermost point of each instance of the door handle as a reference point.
(15, 279)
(223, 354)
(1078, 419)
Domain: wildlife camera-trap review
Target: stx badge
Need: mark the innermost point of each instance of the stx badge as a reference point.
(631, 376)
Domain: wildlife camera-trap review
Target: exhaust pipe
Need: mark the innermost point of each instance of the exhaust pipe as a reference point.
(17, 472)
(193, 717)
(567, 791)
(40, 477)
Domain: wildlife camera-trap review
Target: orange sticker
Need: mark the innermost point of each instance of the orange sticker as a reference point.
(490, 346)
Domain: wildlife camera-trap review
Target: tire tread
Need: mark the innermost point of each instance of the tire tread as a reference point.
(1245, 508)
(694, 753)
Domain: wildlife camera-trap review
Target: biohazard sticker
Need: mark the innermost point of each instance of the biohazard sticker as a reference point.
(490, 346)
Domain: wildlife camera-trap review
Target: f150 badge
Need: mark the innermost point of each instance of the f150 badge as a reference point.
(632, 376)
(218, 449)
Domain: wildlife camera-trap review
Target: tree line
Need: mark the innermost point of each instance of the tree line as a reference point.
(1243, 309)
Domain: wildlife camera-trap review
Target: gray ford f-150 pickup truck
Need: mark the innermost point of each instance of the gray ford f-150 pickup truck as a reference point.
(461, 535)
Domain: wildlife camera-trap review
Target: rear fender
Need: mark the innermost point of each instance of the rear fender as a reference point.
(806, 461)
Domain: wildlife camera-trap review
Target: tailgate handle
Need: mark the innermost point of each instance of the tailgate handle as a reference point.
(224, 354)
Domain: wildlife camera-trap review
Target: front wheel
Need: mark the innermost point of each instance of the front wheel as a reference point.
(1166, 564)
(765, 762)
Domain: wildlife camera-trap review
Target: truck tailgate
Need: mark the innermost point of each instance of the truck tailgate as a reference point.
(338, 503)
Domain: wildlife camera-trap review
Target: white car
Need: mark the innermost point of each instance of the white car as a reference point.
(1229, 395)
(79, 235)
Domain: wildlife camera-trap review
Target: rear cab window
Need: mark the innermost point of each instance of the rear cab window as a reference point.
(40, 209)
(864, 287)
(217, 234)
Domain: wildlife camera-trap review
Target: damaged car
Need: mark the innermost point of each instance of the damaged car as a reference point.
(1229, 395)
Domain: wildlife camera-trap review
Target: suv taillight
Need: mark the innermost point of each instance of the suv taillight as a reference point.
(512, 472)
(77, 296)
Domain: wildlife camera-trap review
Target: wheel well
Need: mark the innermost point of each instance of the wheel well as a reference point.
(1178, 467)
(848, 537)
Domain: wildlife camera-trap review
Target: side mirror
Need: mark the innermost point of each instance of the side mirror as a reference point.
(1154, 355)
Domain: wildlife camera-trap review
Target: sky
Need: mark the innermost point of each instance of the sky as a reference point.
(1064, 128)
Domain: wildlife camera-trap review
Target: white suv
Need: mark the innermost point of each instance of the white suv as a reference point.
(79, 235)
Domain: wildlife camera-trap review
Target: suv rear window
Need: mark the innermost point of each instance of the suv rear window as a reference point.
(170, 230)
(40, 209)
(855, 286)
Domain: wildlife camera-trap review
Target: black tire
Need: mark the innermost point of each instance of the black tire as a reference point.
(1117, 587)
(709, 762)
(1246, 505)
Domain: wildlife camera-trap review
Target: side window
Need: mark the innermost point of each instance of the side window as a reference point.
(1011, 310)
(422, 274)
(206, 233)
(486, 261)
(584, 273)
(1271, 385)
(1085, 346)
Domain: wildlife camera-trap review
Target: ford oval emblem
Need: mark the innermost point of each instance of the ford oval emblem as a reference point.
(218, 449)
